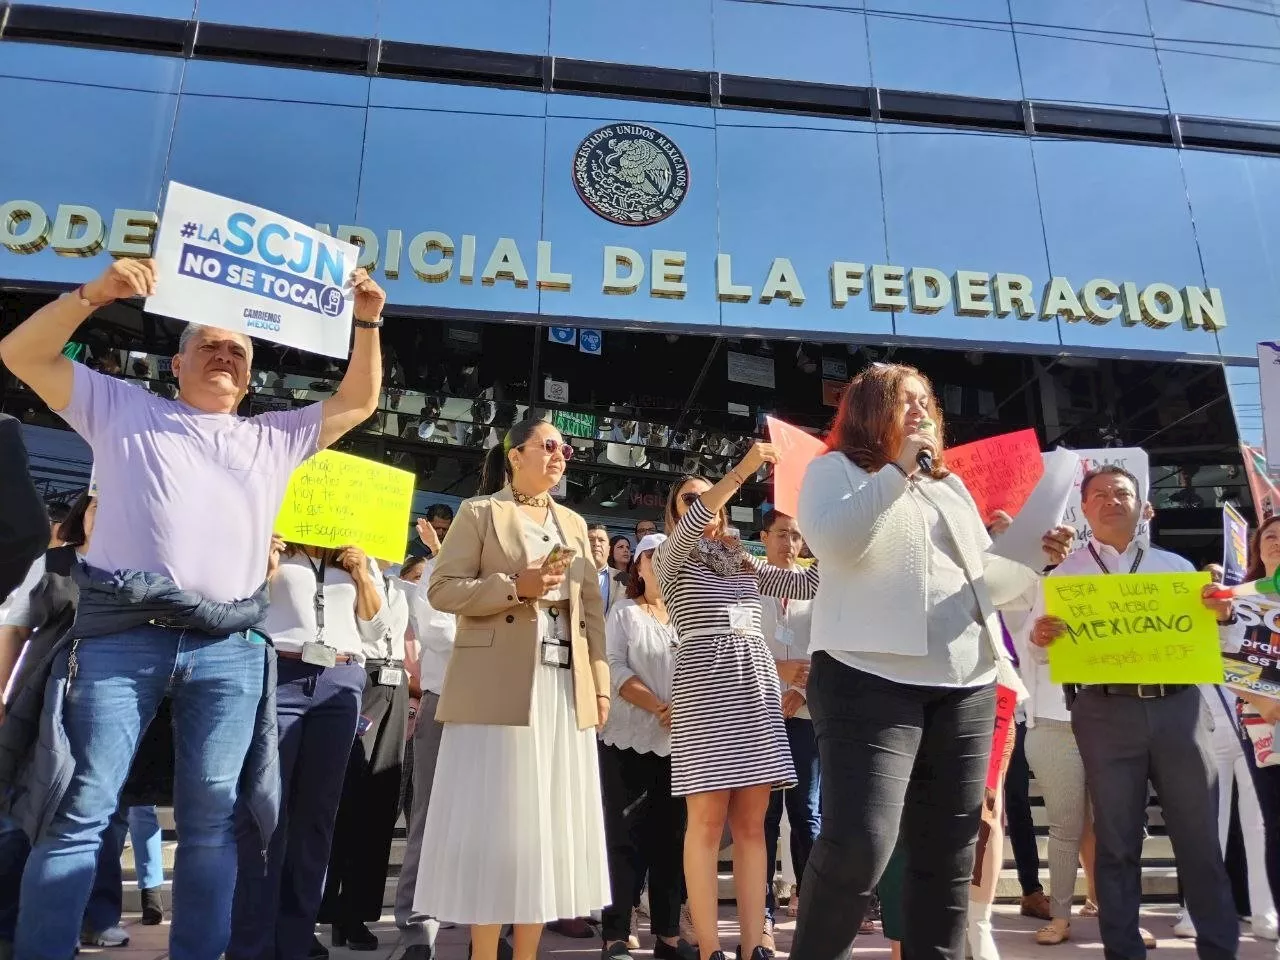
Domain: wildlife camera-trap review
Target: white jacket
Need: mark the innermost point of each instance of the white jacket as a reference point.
(874, 545)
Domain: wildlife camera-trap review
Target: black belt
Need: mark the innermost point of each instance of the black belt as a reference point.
(1141, 691)
(383, 663)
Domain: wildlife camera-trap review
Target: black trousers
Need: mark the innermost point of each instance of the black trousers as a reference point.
(1017, 810)
(355, 886)
(1124, 742)
(1266, 782)
(894, 758)
(644, 832)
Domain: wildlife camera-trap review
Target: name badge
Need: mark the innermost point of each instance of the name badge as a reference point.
(319, 654)
(784, 635)
(741, 618)
(390, 676)
(554, 655)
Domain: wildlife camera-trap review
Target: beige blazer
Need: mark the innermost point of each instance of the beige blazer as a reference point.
(489, 679)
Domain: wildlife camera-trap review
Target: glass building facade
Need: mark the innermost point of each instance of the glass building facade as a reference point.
(1067, 211)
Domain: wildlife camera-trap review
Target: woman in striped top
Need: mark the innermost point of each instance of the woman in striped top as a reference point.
(729, 747)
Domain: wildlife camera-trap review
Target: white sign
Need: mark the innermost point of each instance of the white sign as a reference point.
(750, 369)
(1043, 510)
(1133, 459)
(833, 368)
(555, 391)
(222, 263)
(1269, 387)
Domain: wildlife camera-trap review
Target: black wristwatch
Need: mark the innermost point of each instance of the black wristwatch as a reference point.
(368, 324)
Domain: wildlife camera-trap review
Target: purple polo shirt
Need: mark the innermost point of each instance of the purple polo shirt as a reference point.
(187, 494)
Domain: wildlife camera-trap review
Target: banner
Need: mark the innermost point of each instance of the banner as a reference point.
(1266, 495)
(1133, 628)
(232, 265)
(796, 450)
(1255, 667)
(1133, 459)
(1000, 472)
(1006, 700)
(1235, 546)
(1269, 388)
(337, 500)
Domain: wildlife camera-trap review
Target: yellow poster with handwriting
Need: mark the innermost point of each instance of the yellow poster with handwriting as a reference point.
(337, 500)
(1133, 628)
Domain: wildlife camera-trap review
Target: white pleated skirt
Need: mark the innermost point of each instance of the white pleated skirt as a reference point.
(515, 829)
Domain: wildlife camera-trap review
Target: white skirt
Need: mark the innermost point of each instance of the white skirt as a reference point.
(515, 828)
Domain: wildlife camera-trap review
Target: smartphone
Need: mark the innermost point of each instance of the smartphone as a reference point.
(559, 554)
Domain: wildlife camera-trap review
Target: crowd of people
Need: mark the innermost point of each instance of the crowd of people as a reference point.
(568, 719)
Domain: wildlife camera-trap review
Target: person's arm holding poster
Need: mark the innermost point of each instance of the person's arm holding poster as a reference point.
(356, 398)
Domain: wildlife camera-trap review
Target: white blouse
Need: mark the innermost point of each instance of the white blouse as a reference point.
(639, 646)
(291, 617)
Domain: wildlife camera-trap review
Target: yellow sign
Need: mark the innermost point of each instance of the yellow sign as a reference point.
(337, 500)
(1133, 628)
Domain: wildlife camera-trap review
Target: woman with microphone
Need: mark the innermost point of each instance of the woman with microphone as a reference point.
(906, 654)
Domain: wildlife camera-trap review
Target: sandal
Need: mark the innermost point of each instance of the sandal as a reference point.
(1052, 934)
(1089, 910)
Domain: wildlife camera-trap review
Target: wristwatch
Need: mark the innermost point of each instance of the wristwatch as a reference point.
(368, 324)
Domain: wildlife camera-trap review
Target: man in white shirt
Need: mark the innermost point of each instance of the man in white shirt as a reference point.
(785, 624)
(434, 632)
(1129, 732)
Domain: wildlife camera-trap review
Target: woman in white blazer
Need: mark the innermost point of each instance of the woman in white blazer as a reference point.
(906, 654)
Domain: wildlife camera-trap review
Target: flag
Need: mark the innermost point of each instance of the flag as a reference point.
(1266, 496)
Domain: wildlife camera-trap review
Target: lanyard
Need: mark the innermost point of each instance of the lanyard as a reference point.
(1230, 711)
(1137, 560)
(318, 601)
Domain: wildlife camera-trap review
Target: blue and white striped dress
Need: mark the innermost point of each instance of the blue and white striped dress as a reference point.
(726, 704)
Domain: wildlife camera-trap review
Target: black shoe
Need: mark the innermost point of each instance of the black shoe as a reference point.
(683, 950)
(759, 953)
(317, 950)
(152, 907)
(615, 951)
(354, 937)
(418, 951)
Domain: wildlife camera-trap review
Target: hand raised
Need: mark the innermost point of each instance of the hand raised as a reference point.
(124, 278)
(370, 298)
(428, 535)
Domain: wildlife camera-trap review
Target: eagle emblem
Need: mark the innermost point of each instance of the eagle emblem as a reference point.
(630, 174)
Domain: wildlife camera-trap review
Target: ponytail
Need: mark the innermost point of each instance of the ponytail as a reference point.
(493, 474)
(497, 467)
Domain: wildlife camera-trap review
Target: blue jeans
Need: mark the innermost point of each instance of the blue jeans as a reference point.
(274, 915)
(106, 901)
(803, 807)
(215, 684)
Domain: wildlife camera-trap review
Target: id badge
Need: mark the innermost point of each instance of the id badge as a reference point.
(319, 654)
(363, 724)
(784, 636)
(554, 655)
(741, 619)
(390, 676)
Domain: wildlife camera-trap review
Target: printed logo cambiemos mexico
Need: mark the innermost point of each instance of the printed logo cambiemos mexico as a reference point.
(630, 174)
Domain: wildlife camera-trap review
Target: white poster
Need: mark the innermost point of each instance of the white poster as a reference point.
(1043, 510)
(222, 263)
(750, 369)
(1269, 387)
(1133, 459)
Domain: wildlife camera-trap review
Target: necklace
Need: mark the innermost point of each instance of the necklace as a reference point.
(647, 607)
(542, 500)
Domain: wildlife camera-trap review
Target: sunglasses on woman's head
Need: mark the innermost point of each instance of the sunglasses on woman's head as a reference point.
(689, 499)
(552, 447)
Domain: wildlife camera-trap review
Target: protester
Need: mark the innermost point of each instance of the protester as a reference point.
(1259, 715)
(361, 851)
(611, 589)
(906, 654)
(729, 746)
(1127, 733)
(645, 528)
(989, 857)
(515, 830)
(168, 600)
(24, 533)
(440, 516)
(786, 624)
(325, 605)
(434, 633)
(406, 581)
(620, 556)
(644, 823)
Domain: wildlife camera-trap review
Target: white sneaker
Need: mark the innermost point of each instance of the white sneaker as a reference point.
(1184, 929)
(110, 937)
(1266, 927)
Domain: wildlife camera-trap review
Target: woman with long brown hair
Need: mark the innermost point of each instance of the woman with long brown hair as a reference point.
(729, 747)
(906, 653)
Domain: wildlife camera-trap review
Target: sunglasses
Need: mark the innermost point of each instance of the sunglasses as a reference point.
(689, 499)
(552, 448)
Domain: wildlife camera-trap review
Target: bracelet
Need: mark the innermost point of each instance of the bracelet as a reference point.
(733, 475)
(84, 301)
(368, 324)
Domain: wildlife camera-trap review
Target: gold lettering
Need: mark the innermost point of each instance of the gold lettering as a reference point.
(616, 258)
(425, 243)
(78, 231)
(1132, 310)
(1061, 301)
(1014, 292)
(726, 290)
(395, 243)
(548, 279)
(887, 288)
(1161, 305)
(930, 290)
(1094, 294)
(132, 233)
(666, 277)
(846, 281)
(366, 240)
(467, 268)
(782, 282)
(1204, 309)
(973, 294)
(505, 263)
(24, 226)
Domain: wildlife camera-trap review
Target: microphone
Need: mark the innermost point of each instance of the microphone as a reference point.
(924, 459)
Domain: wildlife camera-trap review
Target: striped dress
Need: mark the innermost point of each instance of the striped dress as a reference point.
(726, 713)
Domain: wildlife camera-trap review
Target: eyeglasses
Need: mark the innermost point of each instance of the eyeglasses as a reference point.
(689, 499)
(552, 448)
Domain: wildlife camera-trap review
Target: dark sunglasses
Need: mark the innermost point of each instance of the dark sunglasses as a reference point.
(689, 499)
(552, 447)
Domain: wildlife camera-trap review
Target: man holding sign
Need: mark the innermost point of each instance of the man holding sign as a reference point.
(168, 600)
(1128, 732)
